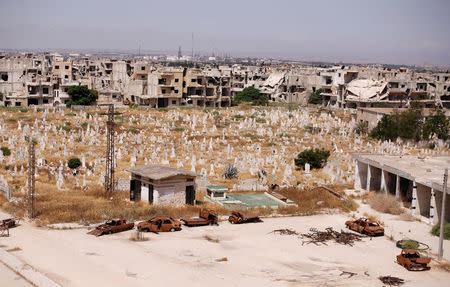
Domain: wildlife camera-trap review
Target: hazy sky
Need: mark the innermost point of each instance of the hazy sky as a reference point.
(384, 31)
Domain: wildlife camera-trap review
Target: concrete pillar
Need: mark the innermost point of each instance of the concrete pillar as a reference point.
(383, 182)
(414, 199)
(433, 218)
(397, 187)
(368, 178)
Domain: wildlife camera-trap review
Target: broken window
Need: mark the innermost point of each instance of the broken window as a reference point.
(193, 80)
(163, 91)
(176, 80)
(174, 102)
(45, 91)
(66, 67)
(56, 67)
(5, 77)
(66, 76)
(143, 68)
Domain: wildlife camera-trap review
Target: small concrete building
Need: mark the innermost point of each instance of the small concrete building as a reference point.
(416, 181)
(162, 185)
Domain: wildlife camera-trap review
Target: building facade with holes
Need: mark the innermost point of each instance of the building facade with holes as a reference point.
(162, 185)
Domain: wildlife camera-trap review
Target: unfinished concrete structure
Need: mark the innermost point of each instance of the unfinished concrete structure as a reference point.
(162, 185)
(416, 181)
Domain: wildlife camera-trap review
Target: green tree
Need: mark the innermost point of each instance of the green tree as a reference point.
(316, 98)
(6, 151)
(406, 125)
(81, 95)
(251, 95)
(74, 162)
(410, 124)
(436, 125)
(315, 157)
(386, 129)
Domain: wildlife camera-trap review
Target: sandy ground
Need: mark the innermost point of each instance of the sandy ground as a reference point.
(255, 256)
(9, 278)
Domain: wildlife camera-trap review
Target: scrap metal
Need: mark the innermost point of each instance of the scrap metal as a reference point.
(391, 281)
(321, 237)
(285, 231)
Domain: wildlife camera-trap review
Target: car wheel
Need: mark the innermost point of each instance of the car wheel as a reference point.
(172, 229)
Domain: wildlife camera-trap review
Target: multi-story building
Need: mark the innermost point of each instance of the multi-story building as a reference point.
(29, 79)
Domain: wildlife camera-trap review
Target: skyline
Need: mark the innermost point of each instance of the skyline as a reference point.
(403, 32)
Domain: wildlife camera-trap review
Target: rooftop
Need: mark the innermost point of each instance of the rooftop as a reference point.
(428, 171)
(157, 172)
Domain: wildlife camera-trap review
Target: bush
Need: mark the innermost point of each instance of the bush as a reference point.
(385, 203)
(178, 129)
(436, 230)
(74, 162)
(133, 130)
(230, 172)
(261, 120)
(361, 128)
(315, 157)
(238, 117)
(316, 98)
(406, 125)
(250, 95)
(6, 151)
(436, 125)
(81, 95)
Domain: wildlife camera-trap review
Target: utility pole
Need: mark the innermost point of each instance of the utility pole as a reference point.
(31, 178)
(109, 173)
(441, 230)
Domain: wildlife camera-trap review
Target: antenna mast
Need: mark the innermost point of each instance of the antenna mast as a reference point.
(31, 178)
(109, 173)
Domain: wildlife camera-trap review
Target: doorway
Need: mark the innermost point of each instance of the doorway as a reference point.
(190, 194)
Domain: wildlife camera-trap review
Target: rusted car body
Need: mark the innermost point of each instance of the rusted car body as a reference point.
(112, 226)
(238, 217)
(206, 217)
(159, 224)
(365, 226)
(412, 260)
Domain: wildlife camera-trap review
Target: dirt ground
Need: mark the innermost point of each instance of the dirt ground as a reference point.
(9, 278)
(255, 256)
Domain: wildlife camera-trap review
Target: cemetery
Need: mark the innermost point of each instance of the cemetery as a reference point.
(259, 144)
(297, 168)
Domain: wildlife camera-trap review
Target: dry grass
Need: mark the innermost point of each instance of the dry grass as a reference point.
(211, 239)
(443, 265)
(138, 236)
(92, 205)
(385, 203)
(407, 216)
(313, 201)
(53, 206)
